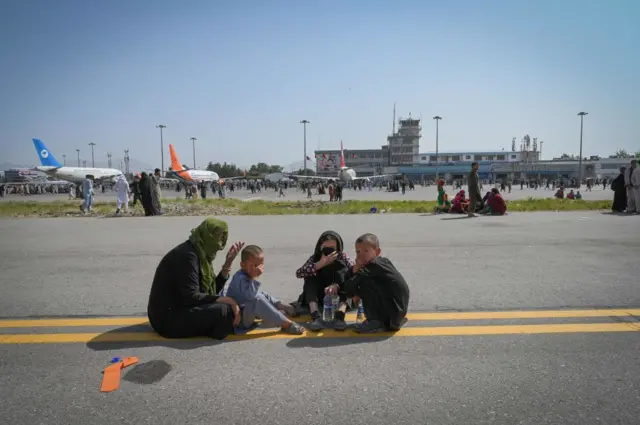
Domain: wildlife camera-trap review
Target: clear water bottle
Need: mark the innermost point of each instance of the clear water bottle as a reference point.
(327, 312)
(360, 313)
(335, 303)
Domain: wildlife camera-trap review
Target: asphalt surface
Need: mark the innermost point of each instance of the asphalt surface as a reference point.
(521, 262)
(419, 194)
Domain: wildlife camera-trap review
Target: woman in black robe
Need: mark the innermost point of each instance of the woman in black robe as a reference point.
(619, 193)
(183, 302)
(146, 195)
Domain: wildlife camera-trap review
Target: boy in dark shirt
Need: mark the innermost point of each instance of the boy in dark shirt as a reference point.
(380, 286)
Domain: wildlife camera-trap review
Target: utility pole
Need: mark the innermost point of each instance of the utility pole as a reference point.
(160, 126)
(581, 115)
(193, 142)
(78, 151)
(93, 162)
(126, 161)
(64, 160)
(437, 118)
(109, 159)
(304, 124)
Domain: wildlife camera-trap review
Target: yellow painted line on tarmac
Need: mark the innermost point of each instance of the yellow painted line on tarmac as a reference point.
(115, 337)
(471, 315)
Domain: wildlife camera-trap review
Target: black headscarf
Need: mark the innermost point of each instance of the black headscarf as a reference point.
(335, 272)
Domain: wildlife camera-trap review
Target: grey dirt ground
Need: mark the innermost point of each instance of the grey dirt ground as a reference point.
(104, 267)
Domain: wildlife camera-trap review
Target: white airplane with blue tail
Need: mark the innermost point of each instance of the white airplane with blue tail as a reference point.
(53, 168)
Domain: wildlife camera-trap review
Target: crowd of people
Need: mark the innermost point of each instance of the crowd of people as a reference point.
(188, 299)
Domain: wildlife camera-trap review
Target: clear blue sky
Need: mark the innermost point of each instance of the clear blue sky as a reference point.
(240, 75)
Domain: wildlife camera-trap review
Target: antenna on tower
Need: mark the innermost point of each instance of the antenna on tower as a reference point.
(393, 128)
(513, 144)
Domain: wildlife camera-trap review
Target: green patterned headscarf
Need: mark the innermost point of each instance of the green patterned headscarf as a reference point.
(209, 238)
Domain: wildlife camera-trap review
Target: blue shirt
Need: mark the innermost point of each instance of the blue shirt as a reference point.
(242, 288)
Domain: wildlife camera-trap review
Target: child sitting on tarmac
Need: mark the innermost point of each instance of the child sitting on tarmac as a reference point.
(254, 303)
(380, 286)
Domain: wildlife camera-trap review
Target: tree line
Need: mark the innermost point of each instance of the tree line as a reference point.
(231, 170)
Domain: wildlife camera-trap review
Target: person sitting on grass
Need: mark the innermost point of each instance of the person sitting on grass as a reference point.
(244, 289)
(578, 195)
(571, 195)
(325, 272)
(443, 199)
(560, 194)
(380, 286)
(495, 204)
(183, 301)
(460, 204)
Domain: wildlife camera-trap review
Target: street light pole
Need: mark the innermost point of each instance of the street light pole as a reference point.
(64, 160)
(193, 142)
(93, 162)
(160, 126)
(304, 123)
(581, 115)
(540, 153)
(437, 118)
(78, 150)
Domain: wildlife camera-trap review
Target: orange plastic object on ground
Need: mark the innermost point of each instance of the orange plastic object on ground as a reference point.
(111, 377)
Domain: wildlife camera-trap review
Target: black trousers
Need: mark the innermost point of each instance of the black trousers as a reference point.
(378, 306)
(313, 291)
(211, 320)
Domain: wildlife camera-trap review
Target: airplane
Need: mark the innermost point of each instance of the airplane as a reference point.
(345, 174)
(191, 176)
(53, 168)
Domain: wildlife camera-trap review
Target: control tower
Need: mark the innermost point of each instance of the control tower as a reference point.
(404, 144)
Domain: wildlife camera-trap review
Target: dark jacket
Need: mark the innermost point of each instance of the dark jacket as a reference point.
(177, 283)
(474, 186)
(381, 277)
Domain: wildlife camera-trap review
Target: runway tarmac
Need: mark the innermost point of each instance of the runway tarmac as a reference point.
(419, 194)
(529, 318)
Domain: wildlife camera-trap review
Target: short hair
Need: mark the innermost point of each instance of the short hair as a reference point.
(157, 170)
(251, 251)
(495, 191)
(369, 239)
(474, 163)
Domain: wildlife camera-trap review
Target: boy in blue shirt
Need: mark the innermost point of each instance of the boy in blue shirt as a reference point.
(254, 303)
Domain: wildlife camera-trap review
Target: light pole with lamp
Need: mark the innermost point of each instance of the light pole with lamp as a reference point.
(193, 142)
(78, 151)
(93, 162)
(304, 123)
(160, 126)
(437, 118)
(581, 115)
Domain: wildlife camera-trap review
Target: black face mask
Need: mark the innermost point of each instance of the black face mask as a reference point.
(327, 250)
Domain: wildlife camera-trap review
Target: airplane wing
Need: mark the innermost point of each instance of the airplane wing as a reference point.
(374, 177)
(296, 176)
(106, 178)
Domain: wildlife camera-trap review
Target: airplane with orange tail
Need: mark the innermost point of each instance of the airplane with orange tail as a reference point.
(345, 174)
(191, 176)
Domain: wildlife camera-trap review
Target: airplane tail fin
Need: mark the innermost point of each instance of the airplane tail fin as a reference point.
(175, 162)
(342, 165)
(46, 158)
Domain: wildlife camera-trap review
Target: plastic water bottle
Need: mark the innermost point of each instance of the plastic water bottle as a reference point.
(327, 312)
(335, 303)
(360, 313)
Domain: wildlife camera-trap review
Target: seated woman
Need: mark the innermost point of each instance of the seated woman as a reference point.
(443, 200)
(183, 301)
(578, 195)
(460, 204)
(495, 204)
(571, 195)
(325, 272)
(560, 194)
